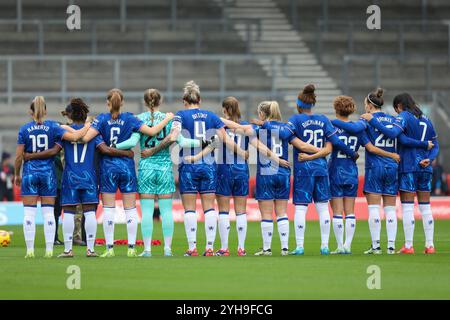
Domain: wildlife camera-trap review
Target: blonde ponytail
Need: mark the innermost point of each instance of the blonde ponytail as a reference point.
(38, 107)
(270, 109)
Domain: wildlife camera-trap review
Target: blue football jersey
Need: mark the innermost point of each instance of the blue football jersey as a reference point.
(427, 134)
(227, 157)
(342, 168)
(114, 132)
(314, 129)
(200, 125)
(411, 127)
(80, 167)
(381, 141)
(275, 136)
(39, 137)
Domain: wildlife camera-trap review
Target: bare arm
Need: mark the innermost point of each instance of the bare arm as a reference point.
(245, 129)
(43, 154)
(199, 155)
(18, 164)
(153, 131)
(167, 141)
(375, 150)
(77, 134)
(322, 153)
(261, 147)
(104, 149)
(303, 146)
(91, 134)
(231, 145)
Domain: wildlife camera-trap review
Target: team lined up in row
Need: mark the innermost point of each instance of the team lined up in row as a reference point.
(389, 168)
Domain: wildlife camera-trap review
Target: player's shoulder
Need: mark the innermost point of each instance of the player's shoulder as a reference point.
(296, 118)
(26, 126)
(425, 118)
(102, 117)
(127, 115)
(51, 123)
(143, 116)
(243, 122)
(321, 117)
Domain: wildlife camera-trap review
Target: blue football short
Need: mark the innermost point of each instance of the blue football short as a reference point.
(231, 184)
(272, 187)
(121, 178)
(311, 188)
(415, 181)
(201, 178)
(381, 180)
(42, 184)
(343, 190)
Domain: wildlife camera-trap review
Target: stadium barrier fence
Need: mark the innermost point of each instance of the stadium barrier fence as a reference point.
(399, 26)
(199, 27)
(277, 62)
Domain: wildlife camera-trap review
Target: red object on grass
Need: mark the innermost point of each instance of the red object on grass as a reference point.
(121, 242)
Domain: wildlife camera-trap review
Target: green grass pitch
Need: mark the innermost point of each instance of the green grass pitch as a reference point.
(294, 277)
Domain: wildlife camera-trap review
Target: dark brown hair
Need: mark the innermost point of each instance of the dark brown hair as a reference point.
(231, 105)
(115, 97)
(307, 95)
(344, 105)
(80, 110)
(376, 98)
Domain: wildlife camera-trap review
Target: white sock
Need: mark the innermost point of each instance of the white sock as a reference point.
(108, 225)
(283, 231)
(68, 228)
(132, 226)
(324, 217)
(48, 212)
(350, 225)
(190, 226)
(300, 224)
(29, 226)
(408, 223)
(241, 227)
(210, 228)
(224, 229)
(90, 226)
(391, 225)
(428, 223)
(375, 224)
(267, 232)
(338, 228)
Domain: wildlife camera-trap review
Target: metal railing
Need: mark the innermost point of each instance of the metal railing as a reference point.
(376, 62)
(252, 26)
(400, 26)
(278, 65)
(122, 7)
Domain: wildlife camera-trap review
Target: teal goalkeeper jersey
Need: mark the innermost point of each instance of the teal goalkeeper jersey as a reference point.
(161, 158)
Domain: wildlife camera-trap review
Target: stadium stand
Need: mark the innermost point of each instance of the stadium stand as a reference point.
(261, 48)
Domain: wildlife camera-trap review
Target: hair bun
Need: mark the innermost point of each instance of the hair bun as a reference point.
(379, 92)
(309, 89)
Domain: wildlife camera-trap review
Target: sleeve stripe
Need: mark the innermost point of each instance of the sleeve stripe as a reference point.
(333, 133)
(395, 124)
(98, 144)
